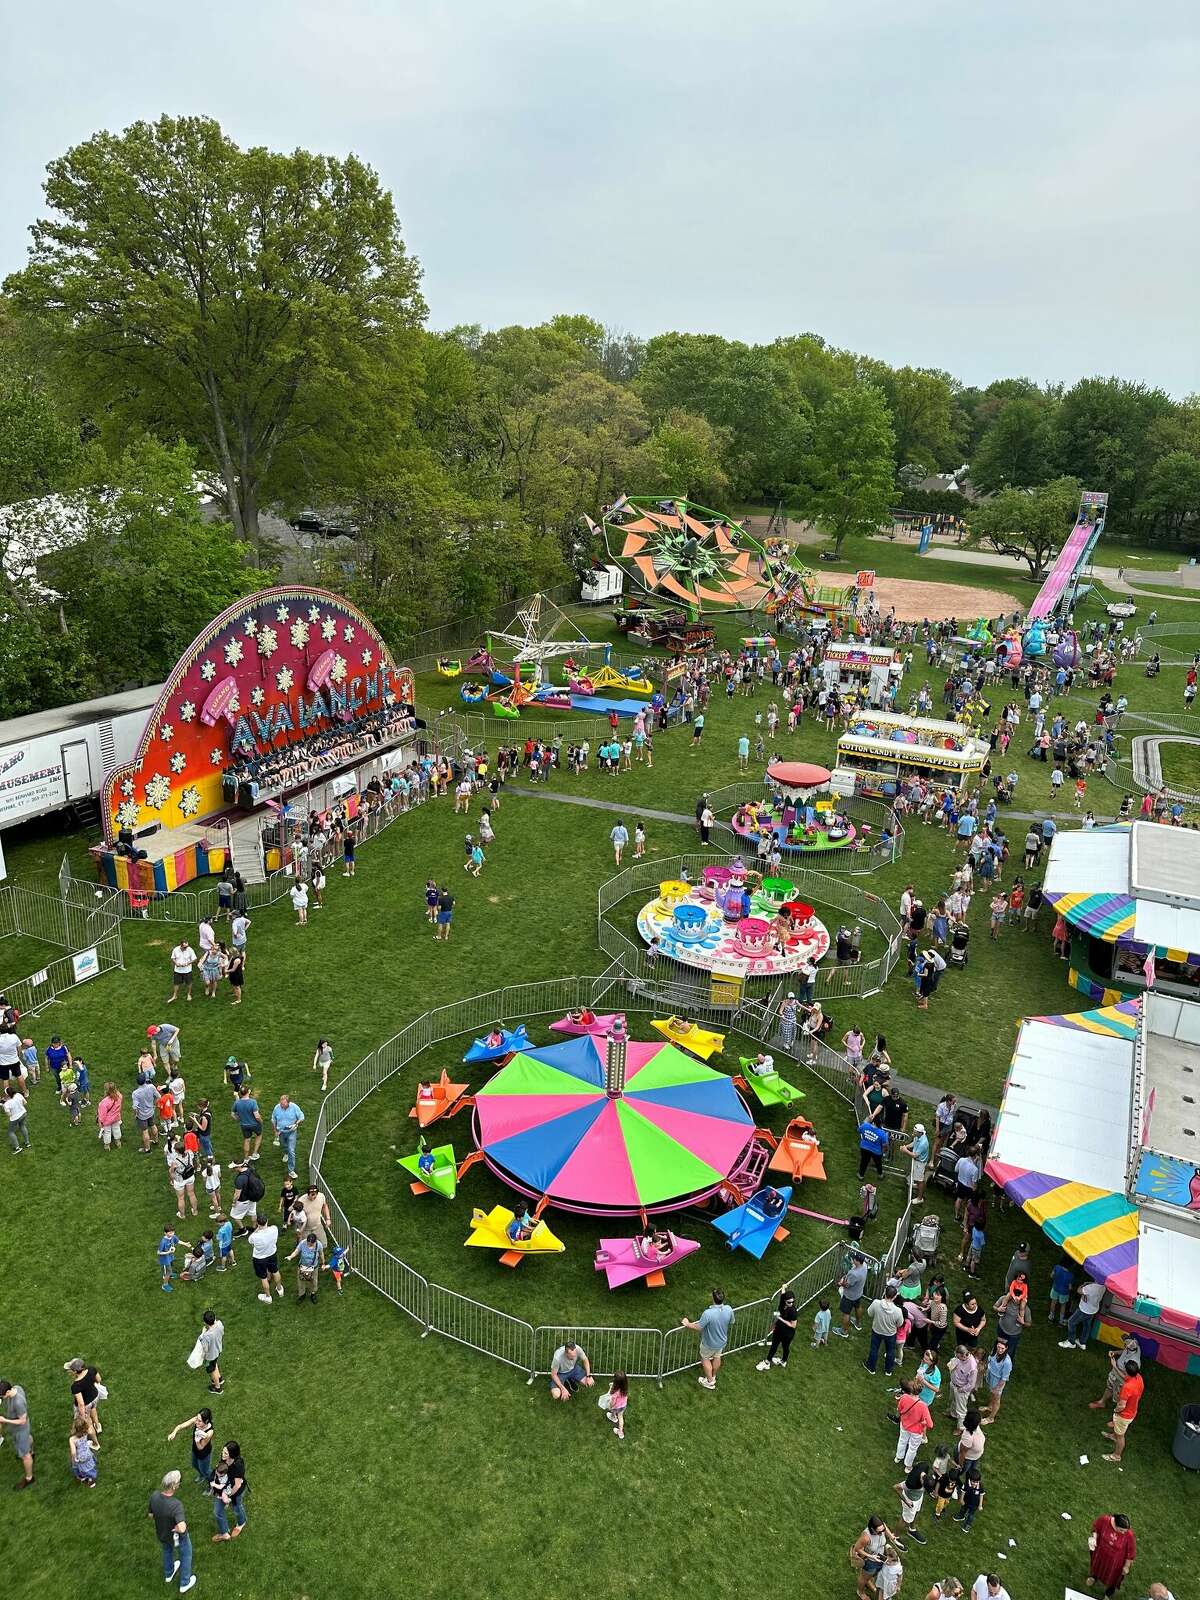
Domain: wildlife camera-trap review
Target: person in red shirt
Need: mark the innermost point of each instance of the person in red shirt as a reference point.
(915, 1422)
(166, 1110)
(1129, 1397)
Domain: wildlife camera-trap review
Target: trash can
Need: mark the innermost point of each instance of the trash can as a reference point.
(1187, 1438)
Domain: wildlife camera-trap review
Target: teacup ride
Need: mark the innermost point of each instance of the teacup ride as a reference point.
(732, 901)
(774, 893)
(752, 938)
(691, 923)
(671, 892)
(713, 879)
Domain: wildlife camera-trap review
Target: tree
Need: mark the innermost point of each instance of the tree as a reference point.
(37, 448)
(1030, 525)
(850, 468)
(1103, 438)
(920, 402)
(683, 456)
(1014, 451)
(150, 572)
(259, 306)
(1173, 493)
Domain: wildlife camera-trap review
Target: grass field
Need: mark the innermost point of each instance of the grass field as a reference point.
(384, 1463)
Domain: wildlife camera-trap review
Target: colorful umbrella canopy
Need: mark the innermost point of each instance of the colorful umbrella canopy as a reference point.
(546, 1124)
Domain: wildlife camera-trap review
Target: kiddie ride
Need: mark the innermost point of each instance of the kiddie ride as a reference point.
(759, 1078)
(645, 1256)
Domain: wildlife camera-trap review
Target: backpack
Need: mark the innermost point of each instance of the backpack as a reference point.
(253, 1188)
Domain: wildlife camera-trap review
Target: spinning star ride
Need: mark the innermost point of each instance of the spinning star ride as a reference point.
(611, 1126)
(677, 550)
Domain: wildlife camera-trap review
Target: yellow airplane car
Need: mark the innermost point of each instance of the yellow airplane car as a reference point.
(499, 1229)
(689, 1037)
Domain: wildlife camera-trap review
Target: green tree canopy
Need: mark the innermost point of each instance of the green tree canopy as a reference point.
(1029, 524)
(259, 306)
(850, 467)
(1014, 450)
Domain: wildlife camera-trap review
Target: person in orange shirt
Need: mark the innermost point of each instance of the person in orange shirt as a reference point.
(1129, 1398)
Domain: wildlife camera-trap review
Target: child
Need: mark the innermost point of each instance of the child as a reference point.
(29, 1061)
(1080, 791)
(212, 1187)
(431, 900)
(998, 908)
(83, 1082)
(1062, 1280)
(902, 1333)
(337, 1264)
(890, 1576)
(225, 1255)
(69, 1096)
(972, 1495)
(974, 1252)
(165, 1106)
(475, 864)
(639, 841)
(946, 1490)
(616, 1402)
(760, 749)
(195, 1266)
(167, 1247)
(821, 1325)
(323, 1055)
(57, 1056)
(82, 1453)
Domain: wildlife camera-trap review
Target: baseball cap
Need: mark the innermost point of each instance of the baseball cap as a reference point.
(231, 1061)
(152, 1030)
(919, 1128)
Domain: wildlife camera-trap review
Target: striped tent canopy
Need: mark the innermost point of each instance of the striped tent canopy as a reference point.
(1117, 1021)
(1105, 916)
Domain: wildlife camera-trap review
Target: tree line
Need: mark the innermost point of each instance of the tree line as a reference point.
(200, 320)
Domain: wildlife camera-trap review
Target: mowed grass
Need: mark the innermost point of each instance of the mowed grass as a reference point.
(384, 1463)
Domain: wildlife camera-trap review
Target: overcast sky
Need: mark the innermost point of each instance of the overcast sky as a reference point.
(993, 189)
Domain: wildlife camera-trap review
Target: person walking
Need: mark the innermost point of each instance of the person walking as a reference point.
(15, 1108)
(869, 1552)
(316, 1214)
(998, 1372)
(202, 1442)
(86, 1384)
(264, 1244)
(1114, 1550)
(108, 1116)
(783, 1331)
(617, 1403)
(246, 1114)
(183, 962)
(915, 1422)
(323, 1059)
(299, 898)
(286, 1119)
(229, 1488)
(14, 1420)
(445, 916)
(82, 1454)
(311, 1257)
(714, 1327)
(963, 1368)
(620, 838)
(886, 1314)
(1129, 1398)
(171, 1530)
(211, 1340)
(236, 974)
(912, 1488)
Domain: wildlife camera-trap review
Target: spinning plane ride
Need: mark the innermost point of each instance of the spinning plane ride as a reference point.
(723, 925)
(676, 550)
(611, 1126)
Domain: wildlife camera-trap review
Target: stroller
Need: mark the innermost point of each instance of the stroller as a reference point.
(960, 938)
(947, 1160)
(926, 1236)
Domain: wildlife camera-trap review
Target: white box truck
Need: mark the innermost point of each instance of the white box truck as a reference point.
(601, 584)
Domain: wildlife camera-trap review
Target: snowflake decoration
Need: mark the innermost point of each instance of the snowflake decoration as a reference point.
(328, 628)
(189, 800)
(268, 641)
(208, 671)
(314, 613)
(284, 679)
(158, 792)
(366, 658)
(178, 762)
(127, 814)
(127, 787)
(338, 670)
(299, 634)
(348, 634)
(233, 652)
(166, 733)
(282, 614)
(187, 711)
(217, 756)
(258, 694)
(251, 626)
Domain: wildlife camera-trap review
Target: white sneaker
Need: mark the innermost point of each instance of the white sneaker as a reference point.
(190, 1584)
(776, 1361)
(1066, 1344)
(707, 1383)
(175, 1568)
(265, 1298)
(763, 1366)
(279, 1290)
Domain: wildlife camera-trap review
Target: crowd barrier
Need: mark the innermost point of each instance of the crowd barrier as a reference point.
(855, 863)
(641, 1352)
(90, 933)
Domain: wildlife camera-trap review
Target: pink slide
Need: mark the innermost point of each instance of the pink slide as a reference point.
(1067, 563)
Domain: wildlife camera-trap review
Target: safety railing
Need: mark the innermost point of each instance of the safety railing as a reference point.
(89, 934)
(875, 815)
(639, 1352)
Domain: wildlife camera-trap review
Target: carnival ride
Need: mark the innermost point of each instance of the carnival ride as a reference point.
(499, 1043)
(501, 1229)
(438, 1099)
(674, 549)
(689, 1036)
(448, 668)
(754, 1224)
(790, 814)
(433, 1171)
(1061, 585)
(589, 1022)
(643, 1257)
(733, 923)
(769, 1088)
(798, 1153)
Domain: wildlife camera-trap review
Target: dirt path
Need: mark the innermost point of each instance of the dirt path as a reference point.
(915, 600)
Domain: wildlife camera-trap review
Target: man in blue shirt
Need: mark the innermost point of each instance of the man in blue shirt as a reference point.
(918, 1153)
(872, 1143)
(285, 1119)
(1049, 829)
(246, 1114)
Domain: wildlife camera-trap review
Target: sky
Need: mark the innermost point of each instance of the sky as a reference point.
(989, 189)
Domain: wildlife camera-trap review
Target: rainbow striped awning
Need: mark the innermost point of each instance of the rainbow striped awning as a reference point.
(1105, 916)
(1118, 1021)
(1095, 1227)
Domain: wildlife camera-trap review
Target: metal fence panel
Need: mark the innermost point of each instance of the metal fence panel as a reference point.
(637, 1352)
(393, 1278)
(456, 1316)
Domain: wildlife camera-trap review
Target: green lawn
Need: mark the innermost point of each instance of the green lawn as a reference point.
(1180, 766)
(384, 1463)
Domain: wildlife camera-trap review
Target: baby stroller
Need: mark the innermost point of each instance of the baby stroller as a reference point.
(961, 1138)
(960, 938)
(925, 1237)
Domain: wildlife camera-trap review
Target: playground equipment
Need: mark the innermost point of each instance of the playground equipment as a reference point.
(798, 1153)
(438, 1099)
(499, 1229)
(611, 1126)
(588, 1023)
(448, 668)
(626, 1260)
(768, 1088)
(433, 1171)
(979, 632)
(752, 1226)
(686, 1034)
(1034, 642)
(472, 693)
(1061, 585)
(673, 547)
(670, 629)
(491, 1048)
